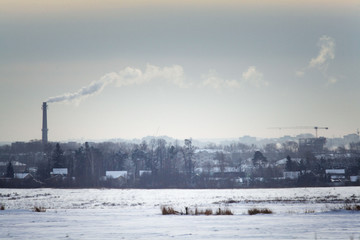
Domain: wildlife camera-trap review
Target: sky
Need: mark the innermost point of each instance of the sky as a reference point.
(210, 69)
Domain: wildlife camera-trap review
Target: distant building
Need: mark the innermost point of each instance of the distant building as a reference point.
(22, 175)
(17, 166)
(354, 178)
(115, 174)
(351, 138)
(59, 171)
(335, 175)
(291, 175)
(313, 145)
(282, 162)
(144, 172)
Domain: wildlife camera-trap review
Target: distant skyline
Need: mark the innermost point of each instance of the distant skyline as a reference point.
(210, 69)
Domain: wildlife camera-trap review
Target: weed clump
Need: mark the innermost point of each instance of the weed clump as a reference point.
(307, 211)
(208, 212)
(39, 209)
(188, 211)
(168, 211)
(224, 212)
(254, 211)
(352, 207)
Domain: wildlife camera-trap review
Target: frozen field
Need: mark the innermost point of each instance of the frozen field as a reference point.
(299, 213)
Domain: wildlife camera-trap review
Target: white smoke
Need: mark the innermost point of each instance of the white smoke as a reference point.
(126, 77)
(94, 88)
(172, 75)
(254, 77)
(322, 60)
(250, 77)
(326, 53)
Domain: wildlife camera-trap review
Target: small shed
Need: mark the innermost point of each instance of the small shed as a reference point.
(335, 174)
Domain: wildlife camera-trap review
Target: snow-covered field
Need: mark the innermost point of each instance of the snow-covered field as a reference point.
(299, 213)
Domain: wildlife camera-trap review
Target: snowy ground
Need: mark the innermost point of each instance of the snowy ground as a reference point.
(299, 213)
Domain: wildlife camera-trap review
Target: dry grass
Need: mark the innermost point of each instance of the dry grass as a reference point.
(307, 211)
(39, 209)
(352, 207)
(208, 212)
(224, 212)
(254, 211)
(188, 211)
(168, 211)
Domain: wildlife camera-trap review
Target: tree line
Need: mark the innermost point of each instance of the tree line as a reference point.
(173, 164)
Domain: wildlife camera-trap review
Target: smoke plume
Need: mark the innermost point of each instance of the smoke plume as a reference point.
(326, 53)
(127, 76)
(250, 77)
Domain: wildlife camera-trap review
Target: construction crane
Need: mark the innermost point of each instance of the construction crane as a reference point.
(303, 127)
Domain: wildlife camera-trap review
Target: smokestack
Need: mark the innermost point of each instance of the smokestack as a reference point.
(44, 125)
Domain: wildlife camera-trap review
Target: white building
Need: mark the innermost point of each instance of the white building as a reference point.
(335, 174)
(22, 175)
(59, 171)
(292, 175)
(115, 174)
(144, 172)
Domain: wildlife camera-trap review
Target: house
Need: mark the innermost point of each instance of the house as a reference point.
(115, 174)
(22, 175)
(335, 175)
(145, 172)
(17, 166)
(291, 175)
(59, 171)
(354, 178)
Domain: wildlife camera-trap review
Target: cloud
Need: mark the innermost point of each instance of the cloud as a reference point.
(300, 73)
(326, 53)
(254, 77)
(213, 80)
(251, 77)
(332, 80)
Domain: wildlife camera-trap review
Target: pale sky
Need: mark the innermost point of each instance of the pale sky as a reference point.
(210, 69)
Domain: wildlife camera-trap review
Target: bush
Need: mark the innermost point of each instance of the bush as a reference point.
(307, 211)
(2, 207)
(188, 211)
(168, 211)
(39, 209)
(206, 212)
(352, 207)
(254, 211)
(224, 212)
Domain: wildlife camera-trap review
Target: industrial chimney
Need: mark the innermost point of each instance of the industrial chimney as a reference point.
(44, 125)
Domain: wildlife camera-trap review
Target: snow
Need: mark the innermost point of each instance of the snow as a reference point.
(299, 213)
(116, 174)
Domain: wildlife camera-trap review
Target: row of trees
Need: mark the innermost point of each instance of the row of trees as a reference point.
(171, 164)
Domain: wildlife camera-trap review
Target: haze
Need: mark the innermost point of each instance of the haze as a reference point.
(210, 69)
